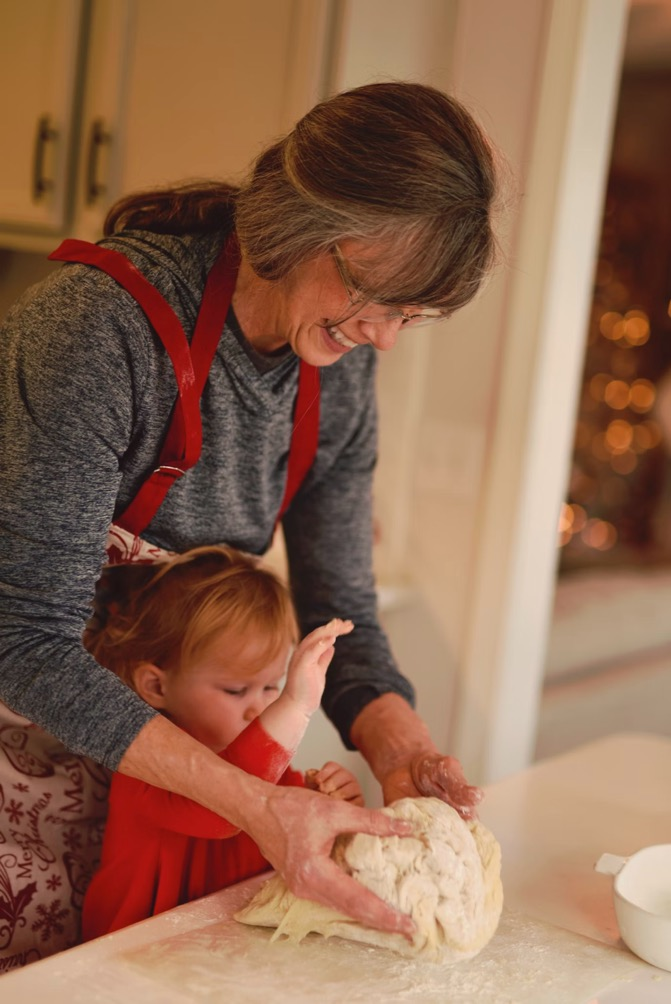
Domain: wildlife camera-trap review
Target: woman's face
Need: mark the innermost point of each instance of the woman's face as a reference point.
(216, 696)
(302, 309)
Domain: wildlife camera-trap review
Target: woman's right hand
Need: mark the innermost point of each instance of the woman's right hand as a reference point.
(296, 829)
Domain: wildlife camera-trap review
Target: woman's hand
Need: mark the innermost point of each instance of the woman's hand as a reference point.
(397, 745)
(306, 674)
(336, 782)
(435, 775)
(295, 830)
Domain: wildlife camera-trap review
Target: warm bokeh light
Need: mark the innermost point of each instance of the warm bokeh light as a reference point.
(632, 328)
(599, 534)
(636, 327)
(565, 519)
(579, 517)
(611, 325)
(572, 519)
(642, 395)
(647, 435)
(619, 436)
(617, 394)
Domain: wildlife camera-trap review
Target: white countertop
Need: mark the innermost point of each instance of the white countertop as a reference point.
(558, 942)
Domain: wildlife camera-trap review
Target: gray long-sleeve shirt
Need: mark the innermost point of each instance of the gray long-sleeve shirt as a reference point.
(87, 390)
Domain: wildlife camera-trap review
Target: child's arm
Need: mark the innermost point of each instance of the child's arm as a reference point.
(335, 781)
(286, 719)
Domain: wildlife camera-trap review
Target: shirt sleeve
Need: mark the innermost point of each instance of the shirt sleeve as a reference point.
(329, 536)
(255, 752)
(67, 341)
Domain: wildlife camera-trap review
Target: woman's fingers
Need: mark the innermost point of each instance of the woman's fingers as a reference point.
(442, 777)
(300, 848)
(329, 885)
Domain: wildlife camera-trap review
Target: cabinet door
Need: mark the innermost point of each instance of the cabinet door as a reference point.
(39, 62)
(213, 81)
(104, 98)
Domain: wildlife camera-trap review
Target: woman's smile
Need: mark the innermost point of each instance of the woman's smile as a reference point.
(336, 342)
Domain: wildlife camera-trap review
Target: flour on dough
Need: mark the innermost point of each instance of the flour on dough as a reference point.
(447, 878)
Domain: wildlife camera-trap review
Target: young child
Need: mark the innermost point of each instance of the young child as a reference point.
(206, 638)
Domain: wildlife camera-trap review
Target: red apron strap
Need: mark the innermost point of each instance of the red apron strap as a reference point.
(214, 306)
(183, 441)
(164, 321)
(305, 437)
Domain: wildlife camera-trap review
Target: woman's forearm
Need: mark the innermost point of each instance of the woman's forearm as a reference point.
(165, 756)
(397, 745)
(390, 734)
(293, 827)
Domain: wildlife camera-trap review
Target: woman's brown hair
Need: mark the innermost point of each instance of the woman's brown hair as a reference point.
(400, 167)
(167, 612)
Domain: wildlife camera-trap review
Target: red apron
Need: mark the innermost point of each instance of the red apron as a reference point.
(54, 801)
(191, 363)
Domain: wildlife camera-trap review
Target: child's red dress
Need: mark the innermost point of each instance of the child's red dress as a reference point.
(162, 849)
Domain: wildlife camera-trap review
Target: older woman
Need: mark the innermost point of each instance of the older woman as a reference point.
(205, 371)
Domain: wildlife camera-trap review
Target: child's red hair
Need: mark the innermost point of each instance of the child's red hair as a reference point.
(166, 612)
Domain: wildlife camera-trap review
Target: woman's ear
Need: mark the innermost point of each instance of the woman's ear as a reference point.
(149, 683)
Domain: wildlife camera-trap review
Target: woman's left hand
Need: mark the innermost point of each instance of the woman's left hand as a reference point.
(435, 775)
(397, 745)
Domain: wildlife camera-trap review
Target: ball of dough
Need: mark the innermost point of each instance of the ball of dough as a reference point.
(447, 878)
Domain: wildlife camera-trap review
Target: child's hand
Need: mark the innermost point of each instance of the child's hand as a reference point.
(307, 669)
(335, 781)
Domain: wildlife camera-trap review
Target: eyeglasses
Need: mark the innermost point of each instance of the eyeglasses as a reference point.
(359, 300)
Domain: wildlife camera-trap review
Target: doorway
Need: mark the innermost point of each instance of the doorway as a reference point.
(608, 665)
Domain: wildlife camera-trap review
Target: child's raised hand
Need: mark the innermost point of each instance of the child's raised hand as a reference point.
(306, 674)
(336, 782)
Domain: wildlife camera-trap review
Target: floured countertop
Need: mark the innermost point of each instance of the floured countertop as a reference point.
(224, 962)
(557, 942)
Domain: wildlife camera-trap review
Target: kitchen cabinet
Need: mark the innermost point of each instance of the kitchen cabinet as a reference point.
(120, 95)
(39, 61)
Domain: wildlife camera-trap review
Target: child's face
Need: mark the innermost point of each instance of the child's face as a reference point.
(215, 698)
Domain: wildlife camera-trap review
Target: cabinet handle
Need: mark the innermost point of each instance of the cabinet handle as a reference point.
(45, 134)
(99, 137)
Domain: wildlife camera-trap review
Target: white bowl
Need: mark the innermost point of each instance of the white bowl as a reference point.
(642, 897)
